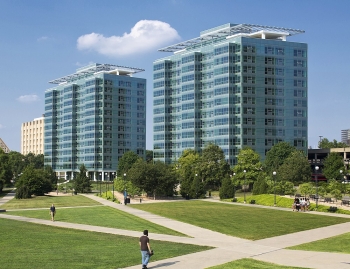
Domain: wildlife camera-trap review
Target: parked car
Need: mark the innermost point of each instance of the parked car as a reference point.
(346, 181)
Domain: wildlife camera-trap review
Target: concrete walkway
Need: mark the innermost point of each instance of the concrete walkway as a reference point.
(226, 248)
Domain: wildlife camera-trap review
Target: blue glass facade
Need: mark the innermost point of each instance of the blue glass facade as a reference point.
(93, 117)
(235, 87)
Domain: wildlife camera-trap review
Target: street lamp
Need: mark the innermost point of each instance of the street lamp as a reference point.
(106, 177)
(196, 187)
(342, 179)
(124, 188)
(177, 177)
(316, 174)
(244, 171)
(113, 187)
(341, 175)
(100, 182)
(234, 186)
(274, 187)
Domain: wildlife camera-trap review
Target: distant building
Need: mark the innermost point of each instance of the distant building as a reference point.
(93, 117)
(4, 147)
(316, 157)
(236, 85)
(345, 136)
(32, 137)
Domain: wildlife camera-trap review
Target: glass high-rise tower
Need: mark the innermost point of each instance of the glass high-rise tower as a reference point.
(93, 117)
(236, 85)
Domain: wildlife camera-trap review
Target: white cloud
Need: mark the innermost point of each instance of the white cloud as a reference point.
(2, 126)
(43, 38)
(144, 36)
(28, 98)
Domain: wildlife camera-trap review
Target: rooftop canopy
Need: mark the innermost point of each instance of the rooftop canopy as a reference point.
(96, 68)
(229, 29)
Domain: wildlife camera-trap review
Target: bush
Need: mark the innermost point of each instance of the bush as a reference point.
(226, 189)
(260, 186)
(22, 192)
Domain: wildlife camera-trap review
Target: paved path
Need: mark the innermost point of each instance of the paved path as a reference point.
(226, 248)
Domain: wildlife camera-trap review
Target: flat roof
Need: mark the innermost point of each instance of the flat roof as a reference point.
(95, 68)
(229, 30)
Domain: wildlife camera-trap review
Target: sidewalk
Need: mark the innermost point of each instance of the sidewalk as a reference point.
(226, 248)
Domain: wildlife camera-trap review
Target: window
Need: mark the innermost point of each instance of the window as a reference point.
(250, 49)
(269, 81)
(249, 90)
(299, 73)
(249, 79)
(248, 59)
(249, 69)
(269, 111)
(269, 60)
(299, 83)
(188, 59)
(269, 50)
(299, 53)
(299, 93)
(269, 71)
(279, 51)
(299, 63)
(222, 50)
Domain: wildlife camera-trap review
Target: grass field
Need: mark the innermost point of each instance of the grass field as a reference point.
(46, 201)
(94, 214)
(339, 244)
(99, 216)
(28, 245)
(285, 202)
(251, 264)
(246, 222)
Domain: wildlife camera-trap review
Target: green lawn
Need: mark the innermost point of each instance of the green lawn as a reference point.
(252, 264)
(245, 222)
(339, 243)
(99, 216)
(28, 245)
(282, 201)
(47, 200)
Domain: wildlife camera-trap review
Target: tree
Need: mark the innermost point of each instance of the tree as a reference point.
(212, 167)
(126, 162)
(81, 181)
(306, 189)
(295, 168)
(332, 164)
(157, 179)
(149, 156)
(248, 161)
(5, 170)
(186, 170)
(33, 181)
(51, 175)
(16, 163)
(121, 184)
(197, 188)
(277, 155)
(260, 186)
(326, 144)
(37, 161)
(226, 189)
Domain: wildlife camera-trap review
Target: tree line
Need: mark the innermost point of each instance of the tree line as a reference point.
(191, 176)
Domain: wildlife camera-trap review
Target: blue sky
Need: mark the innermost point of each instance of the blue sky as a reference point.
(43, 40)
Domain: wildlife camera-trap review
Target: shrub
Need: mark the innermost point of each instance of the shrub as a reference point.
(226, 189)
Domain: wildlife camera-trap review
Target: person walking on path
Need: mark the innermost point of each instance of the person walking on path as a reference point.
(52, 212)
(145, 249)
